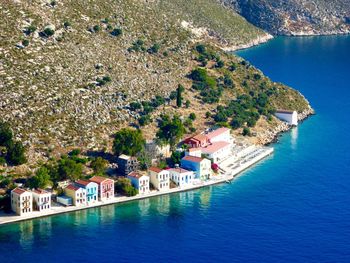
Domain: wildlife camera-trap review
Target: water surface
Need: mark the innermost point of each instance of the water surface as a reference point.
(292, 207)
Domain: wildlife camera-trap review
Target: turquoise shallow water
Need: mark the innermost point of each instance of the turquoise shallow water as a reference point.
(292, 207)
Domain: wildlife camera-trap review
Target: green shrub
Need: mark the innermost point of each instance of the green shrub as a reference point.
(96, 28)
(192, 116)
(117, 32)
(25, 42)
(49, 32)
(135, 106)
(67, 24)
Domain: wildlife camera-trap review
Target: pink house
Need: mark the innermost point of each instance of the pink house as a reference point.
(200, 140)
(105, 187)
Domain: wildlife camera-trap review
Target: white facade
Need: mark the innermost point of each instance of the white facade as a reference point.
(21, 201)
(159, 178)
(78, 194)
(218, 151)
(42, 200)
(140, 182)
(182, 177)
(220, 135)
(291, 117)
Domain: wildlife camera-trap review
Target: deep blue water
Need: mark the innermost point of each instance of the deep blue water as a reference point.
(292, 207)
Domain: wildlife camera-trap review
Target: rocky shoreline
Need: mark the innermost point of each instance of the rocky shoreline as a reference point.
(257, 41)
(271, 136)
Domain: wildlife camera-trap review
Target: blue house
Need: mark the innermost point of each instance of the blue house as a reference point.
(200, 166)
(91, 190)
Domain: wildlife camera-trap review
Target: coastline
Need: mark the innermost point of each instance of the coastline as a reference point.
(219, 179)
(255, 42)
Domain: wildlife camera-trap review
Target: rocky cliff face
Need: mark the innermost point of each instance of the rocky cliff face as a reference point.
(296, 17)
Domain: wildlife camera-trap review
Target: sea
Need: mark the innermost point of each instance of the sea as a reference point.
(292, 207)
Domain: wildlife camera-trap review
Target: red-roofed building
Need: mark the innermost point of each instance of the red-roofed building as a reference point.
(159, 178)
(42, 200)
(201, 166)
(217, 151)
(140, 182)
(220, 135)
(181, 177)
(21, 201)
(105, 187)
(77, 193)
(200, 140)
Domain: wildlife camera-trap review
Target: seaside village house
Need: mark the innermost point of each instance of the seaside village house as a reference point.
(160, 178)
(21, 201)
(78, 194)
(105, 187)
(291, 117)
(200, 166)
(127, 164)
(215, 145)
(140, 182)
(91, 189)
(41, 200)
(181, 177)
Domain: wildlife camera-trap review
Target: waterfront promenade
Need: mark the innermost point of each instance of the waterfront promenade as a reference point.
(232, 170)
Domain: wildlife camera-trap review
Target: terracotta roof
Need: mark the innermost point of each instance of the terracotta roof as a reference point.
(83, 182)
(200, 137)
(284, 111)
(135, 175)
(99, 179)
(73, 187)
(214, 147)
(179, 170)
(40, 191)
(217, 132)
(155, 169)
(19, 191)
(192, 159)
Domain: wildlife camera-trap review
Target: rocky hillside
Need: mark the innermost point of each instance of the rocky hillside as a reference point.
(69, 69)
(296, 17)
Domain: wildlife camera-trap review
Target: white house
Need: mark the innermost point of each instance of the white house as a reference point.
(78, 194)
(220, 135)
(182, 177)
(159, 178)
(140, 182)
(42, 200)
(291, 117)
(21, 201)
(218, 151)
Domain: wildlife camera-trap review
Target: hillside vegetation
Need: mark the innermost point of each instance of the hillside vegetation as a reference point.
(70, 69)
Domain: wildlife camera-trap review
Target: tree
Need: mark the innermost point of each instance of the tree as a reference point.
(117, 32)
(176, 157)
(246, 131)
(201, 49)
(187, 104)
(170, 130)
(154, 49)
(69, 169)
(128, 141)
(179, 91)
(124, 186)
(99, 165)
(192, 116)
(236, 123)
(15, 153)
(41, 179)
(5, 134)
